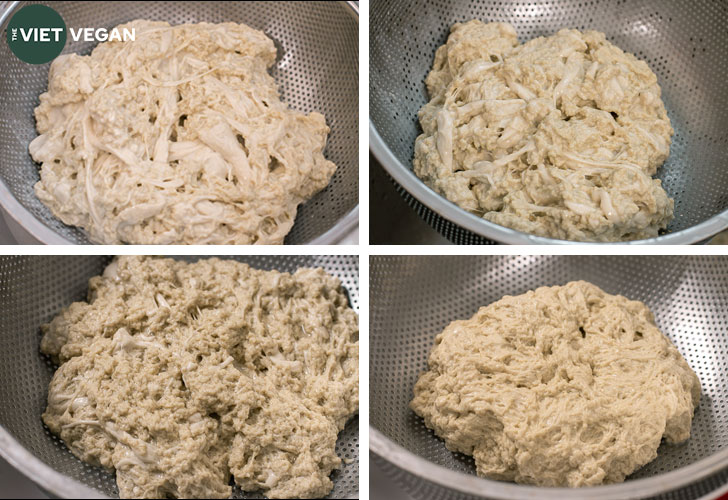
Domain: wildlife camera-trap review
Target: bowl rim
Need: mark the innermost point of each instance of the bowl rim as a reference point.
(406, 178)
(40, 473)
(471, 484)
(45, 235)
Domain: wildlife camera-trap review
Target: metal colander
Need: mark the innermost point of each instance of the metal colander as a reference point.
(33, 290)
(317, 70)
(412, 299)
(683, 42)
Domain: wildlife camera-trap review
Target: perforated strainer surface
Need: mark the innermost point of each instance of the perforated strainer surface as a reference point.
(33, 289)
(412, 299)
(683, 42)
(317, 70)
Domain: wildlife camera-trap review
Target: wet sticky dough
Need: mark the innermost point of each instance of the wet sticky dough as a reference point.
(557, 137)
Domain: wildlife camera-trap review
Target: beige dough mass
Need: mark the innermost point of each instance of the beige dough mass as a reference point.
(558, 137)
(561, 386)
(178, 375)
(176, 137)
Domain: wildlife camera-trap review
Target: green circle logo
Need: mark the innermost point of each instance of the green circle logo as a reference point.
(36, 34)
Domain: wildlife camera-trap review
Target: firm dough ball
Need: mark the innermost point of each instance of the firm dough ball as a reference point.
(561, 386)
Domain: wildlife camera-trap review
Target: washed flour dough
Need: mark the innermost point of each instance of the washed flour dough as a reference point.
(561, 386)
(178, 375)
(557, 137)
(177, 137)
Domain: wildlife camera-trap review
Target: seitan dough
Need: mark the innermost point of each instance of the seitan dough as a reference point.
(561, 386)
(177, 137)
(180, 374)
(558, 137)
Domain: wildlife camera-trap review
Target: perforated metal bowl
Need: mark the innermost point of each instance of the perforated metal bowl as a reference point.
(683, 42)
(33, 289)
(412, 299)
(317, 70)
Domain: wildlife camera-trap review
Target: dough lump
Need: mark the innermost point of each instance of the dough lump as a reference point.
(178, 137)
(180, 374)
(558, 137)
(561, 386)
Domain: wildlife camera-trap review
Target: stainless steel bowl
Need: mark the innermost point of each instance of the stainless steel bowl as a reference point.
(683, 42)
(412, 299)
(319, 73)
(33, 289)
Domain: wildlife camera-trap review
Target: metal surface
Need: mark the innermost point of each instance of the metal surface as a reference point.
(380, 484)
(412, 299)
(683, 42)
(391, 220)
(317, 70)
(33, 289)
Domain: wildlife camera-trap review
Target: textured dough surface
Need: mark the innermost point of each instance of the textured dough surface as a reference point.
(180, 374)
(558, 137)
(561, 386)
(177, 137)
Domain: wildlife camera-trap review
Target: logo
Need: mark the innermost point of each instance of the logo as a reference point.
(36, 34)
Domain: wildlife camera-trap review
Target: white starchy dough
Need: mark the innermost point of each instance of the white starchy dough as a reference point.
(179, 374)
(561, 386)
(558, 137)
(176, 137)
